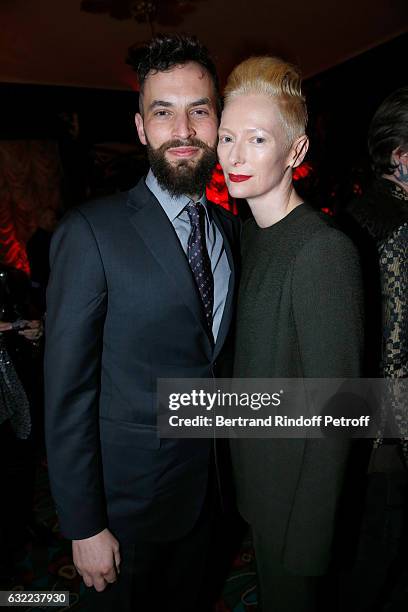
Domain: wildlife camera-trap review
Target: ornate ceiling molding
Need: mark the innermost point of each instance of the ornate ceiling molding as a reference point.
(162, 12)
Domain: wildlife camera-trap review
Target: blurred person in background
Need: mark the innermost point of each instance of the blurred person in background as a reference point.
(378, 222)
(17, 471)
(38, 251)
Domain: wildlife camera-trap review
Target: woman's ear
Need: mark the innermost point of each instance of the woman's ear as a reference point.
(298, 151)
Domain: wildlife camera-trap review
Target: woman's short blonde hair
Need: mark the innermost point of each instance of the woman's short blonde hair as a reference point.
(276, 78)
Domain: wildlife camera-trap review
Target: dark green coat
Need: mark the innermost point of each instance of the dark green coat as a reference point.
(299, 315)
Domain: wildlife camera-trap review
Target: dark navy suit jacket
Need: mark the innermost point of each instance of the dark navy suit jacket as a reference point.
(123, 310)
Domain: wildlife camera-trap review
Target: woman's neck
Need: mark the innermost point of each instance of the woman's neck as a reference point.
(272, 207)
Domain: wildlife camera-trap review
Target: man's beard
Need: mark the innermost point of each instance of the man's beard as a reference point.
(184, 177)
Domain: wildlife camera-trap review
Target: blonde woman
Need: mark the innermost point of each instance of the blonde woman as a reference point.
(299, 315)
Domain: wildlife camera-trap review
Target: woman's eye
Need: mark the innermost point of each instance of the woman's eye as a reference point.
(225, 139)
(259, 140)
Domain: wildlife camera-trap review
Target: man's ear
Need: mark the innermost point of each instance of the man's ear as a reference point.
(298, 151)
(140, 128)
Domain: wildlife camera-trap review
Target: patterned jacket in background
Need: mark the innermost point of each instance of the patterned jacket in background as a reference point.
(393, 252)
(382, 214)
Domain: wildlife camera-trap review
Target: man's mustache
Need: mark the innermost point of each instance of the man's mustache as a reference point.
(191, 142)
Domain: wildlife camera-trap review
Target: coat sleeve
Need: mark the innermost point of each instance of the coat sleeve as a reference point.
(328, 307)
(394, 287)
(328, 312)
(76, 308)
(394, 303)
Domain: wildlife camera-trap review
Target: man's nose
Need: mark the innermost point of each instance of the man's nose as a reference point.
(183, 127)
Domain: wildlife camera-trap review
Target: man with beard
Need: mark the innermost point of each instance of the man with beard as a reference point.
(141, 288)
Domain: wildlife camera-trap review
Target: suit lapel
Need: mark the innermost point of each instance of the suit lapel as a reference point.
(154, 228)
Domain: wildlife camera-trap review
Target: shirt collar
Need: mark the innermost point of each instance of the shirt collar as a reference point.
(172, 205)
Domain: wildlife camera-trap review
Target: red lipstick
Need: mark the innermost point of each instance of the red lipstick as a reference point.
(239, 178)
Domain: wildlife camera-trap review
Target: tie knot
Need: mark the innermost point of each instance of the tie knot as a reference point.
(195, 212)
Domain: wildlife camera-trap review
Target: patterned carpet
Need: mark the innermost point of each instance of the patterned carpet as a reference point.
(48, 566)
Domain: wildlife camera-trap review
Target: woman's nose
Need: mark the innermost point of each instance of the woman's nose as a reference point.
(236, 156)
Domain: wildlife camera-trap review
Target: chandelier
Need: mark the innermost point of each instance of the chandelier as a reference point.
(163, 12)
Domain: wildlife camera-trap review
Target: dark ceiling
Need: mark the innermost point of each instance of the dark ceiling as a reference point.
(54, 42)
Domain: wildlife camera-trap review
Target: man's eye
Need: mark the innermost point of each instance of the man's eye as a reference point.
(200, 112)
(161, 113)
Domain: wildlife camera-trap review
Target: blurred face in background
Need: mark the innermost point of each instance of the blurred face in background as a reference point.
(399, 159)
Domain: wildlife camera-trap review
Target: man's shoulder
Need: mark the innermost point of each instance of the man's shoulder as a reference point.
(103, 215)
(113, 204)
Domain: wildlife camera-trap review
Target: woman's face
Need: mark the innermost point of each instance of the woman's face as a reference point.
(253, 146)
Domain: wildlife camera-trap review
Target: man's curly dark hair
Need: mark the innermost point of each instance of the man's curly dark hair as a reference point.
(167, 50)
